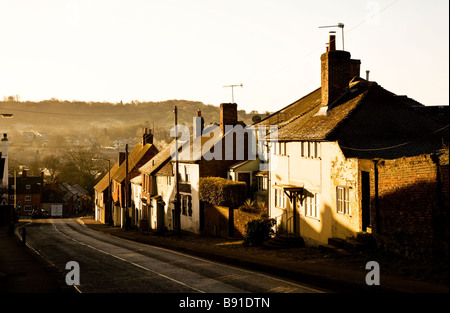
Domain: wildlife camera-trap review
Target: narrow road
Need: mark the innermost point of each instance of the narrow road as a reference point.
(113, 265)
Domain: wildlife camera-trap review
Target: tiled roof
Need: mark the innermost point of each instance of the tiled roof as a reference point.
(293, 111)
(103, 183)
(368, 122)
(134, 157)
(118, 172)
(159, 160)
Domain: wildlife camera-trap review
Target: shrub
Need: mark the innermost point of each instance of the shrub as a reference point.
(249, 206)
(258, 231)
(221, 191)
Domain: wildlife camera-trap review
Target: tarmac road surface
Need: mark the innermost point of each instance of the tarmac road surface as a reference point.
(108, 264)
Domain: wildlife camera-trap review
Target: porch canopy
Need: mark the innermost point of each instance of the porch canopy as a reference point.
(292, 191)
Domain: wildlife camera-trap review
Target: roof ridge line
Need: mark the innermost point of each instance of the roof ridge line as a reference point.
(289, 105)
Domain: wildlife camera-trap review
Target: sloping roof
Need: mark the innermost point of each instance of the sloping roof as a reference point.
(138, 152)
(385, 126)
(367, 122)
(247, 165)
(212, 143)
(199, 146)
(76, 189)
(160, 159)
(188, 151)
(118, 172)
(305, 124)
(104, 183)
(293, 111)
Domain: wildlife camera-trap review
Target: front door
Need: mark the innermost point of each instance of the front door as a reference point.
(365, 201)
(245, 177)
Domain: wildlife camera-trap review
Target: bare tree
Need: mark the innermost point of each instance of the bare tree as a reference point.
(80, 168)
(52, 166)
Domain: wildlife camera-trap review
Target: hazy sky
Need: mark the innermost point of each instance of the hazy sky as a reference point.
(154, 50)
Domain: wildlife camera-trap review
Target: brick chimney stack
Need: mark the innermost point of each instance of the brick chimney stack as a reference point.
(147, 137)
(228, 115)
(337, 69)
(198, 125)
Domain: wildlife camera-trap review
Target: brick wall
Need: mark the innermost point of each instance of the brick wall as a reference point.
(217, 221)
(411, 206)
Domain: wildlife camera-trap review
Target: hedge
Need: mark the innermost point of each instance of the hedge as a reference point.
(258, 231)
(221, 191)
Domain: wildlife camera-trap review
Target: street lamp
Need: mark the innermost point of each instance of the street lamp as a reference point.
(110, 222)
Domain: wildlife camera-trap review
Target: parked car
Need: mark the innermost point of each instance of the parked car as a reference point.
(40, 213)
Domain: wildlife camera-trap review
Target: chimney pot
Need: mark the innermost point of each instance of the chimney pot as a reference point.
(332, 44)
(147, 137)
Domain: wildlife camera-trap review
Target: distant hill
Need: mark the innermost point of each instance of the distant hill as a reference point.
(59, 113)
(40, 128)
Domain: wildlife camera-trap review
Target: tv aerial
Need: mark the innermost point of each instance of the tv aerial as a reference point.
(341, 26)
(232, 92)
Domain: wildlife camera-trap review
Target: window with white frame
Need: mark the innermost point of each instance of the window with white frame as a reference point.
(312, 205)
(184, 204)
(310, 149)
(27, 198)
(280, 198)
(316, 149)
(283, 150)
(262, 183)
(187, 173)
(28, 187)
(189, 206)
(280, 148)
(343, 200)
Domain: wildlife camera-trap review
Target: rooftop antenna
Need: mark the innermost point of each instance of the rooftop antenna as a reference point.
(340, 25)
(232, 92)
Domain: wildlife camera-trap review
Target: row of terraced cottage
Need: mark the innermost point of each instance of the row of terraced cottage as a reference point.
(349, 158)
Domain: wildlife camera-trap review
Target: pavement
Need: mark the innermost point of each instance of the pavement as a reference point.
(23, 271)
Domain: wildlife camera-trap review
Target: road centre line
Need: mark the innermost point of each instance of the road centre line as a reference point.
(124, 260)
(219, 264)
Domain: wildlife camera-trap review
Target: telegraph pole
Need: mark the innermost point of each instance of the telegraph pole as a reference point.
(177, 178)
(126, 186)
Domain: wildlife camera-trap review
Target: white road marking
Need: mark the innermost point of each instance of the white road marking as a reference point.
(223, 265)
(124, 260)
